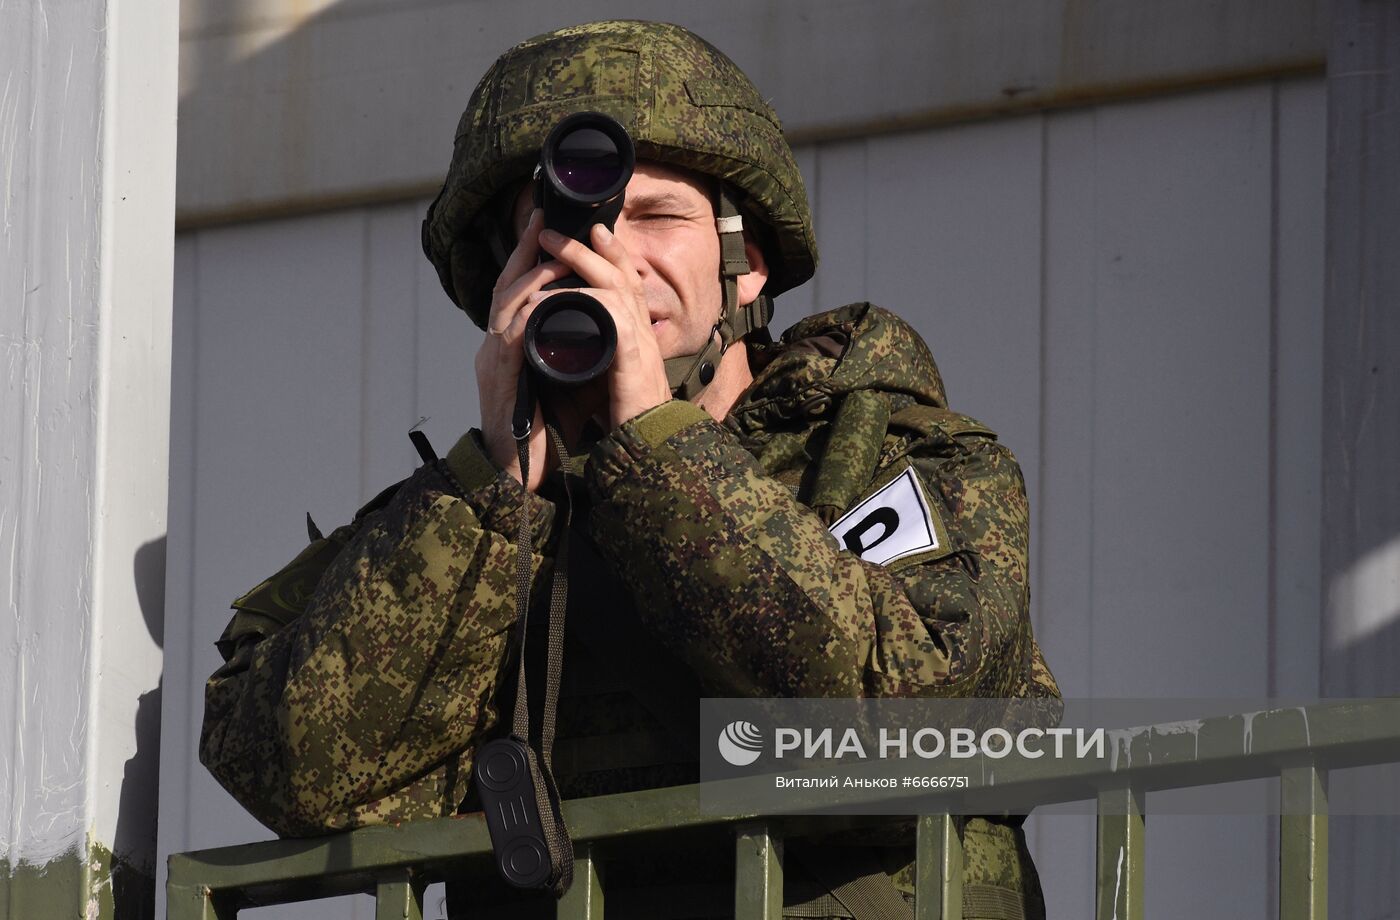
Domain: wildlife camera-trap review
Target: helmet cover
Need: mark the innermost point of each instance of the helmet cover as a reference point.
(682, 100)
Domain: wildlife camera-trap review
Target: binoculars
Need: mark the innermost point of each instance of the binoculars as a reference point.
(581, 180)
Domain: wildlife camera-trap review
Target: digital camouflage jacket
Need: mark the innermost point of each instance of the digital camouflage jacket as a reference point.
(359, 678)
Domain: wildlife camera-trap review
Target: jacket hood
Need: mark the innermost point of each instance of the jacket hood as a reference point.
(819, 360)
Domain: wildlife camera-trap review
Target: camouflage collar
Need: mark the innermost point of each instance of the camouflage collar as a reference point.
(803, 377)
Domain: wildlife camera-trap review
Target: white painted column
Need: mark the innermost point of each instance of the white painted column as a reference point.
(87, 174)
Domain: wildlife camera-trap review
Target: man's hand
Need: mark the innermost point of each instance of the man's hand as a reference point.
(636, 381)
(501, 357)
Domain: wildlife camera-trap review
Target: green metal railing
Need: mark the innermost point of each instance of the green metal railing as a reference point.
(1299, 746)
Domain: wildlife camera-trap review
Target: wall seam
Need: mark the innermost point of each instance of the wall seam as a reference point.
(192, 516)
(366, 306)
(1043, 399)
(1271, 588)
(1089, 576)
(415, 289)
(865, 213)
(1037, 559)
(816, 208)
(1271, 832)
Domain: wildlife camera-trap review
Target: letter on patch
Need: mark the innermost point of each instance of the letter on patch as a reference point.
(893, 523)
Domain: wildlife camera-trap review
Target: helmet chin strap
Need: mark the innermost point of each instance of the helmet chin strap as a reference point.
(688, 375)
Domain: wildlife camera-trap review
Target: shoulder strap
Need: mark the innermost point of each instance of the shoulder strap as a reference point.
(851, 454)
(926, 418)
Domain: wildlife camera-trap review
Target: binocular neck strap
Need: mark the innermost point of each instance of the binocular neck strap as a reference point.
(687, 375)
(556, 834)
(558, 602)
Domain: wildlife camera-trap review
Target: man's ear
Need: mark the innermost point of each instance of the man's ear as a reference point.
(751, 285)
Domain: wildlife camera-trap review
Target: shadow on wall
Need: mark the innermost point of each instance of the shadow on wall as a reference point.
(134, 843)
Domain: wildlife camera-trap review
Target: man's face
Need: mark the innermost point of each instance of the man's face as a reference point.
(668, 228)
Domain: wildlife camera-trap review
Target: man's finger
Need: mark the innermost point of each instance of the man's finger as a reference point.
(609, 248)
(505, 304)
(525, 254)
(524, 257)
(515, 332)
(591, 267)
(610, 268)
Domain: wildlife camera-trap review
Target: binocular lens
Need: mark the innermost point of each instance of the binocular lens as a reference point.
(570, 342)
(585, 165)
(587, 162)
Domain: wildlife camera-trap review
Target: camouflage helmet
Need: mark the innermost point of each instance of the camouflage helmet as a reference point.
(684, 103)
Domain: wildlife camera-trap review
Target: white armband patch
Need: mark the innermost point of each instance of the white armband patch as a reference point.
(894, 523)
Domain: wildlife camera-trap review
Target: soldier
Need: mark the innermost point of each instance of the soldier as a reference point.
(710, 463)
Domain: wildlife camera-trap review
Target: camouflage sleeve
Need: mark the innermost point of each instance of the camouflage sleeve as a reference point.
(753, 591)
(361, 707)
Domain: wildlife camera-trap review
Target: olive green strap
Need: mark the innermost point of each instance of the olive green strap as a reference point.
(851, 454)
(521, 426)
(558, 603)
(687, 375)
(556, 833)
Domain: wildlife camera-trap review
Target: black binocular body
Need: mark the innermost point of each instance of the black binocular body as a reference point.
(585, 165)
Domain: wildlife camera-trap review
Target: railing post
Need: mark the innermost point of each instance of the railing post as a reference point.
(938, 869)
(758, 873)
(1302, 878)
(584, 899)
(1120, 855)
(398, 897)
